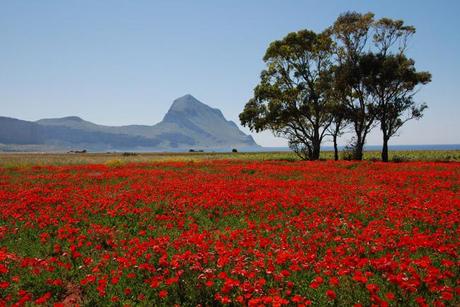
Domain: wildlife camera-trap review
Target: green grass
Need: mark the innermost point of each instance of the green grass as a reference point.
(114, 159)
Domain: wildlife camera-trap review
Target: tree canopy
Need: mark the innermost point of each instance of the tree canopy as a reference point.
(354, 74)
(292, 97)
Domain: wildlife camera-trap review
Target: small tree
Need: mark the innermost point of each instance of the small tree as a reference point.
(338, 112)
(339, 122)
(291, 99)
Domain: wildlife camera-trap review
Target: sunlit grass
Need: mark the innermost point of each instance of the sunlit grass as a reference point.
(31, 159)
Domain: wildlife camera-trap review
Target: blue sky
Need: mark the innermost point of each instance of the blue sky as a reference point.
(124, 62)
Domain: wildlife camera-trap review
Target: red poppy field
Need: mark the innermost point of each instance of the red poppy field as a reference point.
(231, 232)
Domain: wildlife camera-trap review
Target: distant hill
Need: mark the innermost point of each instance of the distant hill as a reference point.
(188, 123)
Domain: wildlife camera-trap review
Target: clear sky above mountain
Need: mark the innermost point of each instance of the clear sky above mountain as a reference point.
(124, 62)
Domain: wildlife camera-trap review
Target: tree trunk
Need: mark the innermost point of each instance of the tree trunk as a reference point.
(385, 149)
(316, 148)
(358, 149)
(316, 145)
(385, 132)
(358, 152)
(336, 151)
(316, 152)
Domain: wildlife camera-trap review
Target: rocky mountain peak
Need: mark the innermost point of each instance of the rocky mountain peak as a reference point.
(188, 107)
(187, 102)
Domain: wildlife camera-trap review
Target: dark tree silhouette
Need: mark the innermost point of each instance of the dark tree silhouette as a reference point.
(291, 99)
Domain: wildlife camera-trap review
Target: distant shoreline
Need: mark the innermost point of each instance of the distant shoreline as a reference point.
(368, 148)
(379, 147)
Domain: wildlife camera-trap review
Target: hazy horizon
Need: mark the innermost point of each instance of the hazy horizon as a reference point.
(119, 63)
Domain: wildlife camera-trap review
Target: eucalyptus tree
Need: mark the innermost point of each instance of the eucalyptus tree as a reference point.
(351, 33)
(339, 122)
(393, 79)
(375, 78)
(355, 73)
(291, 98)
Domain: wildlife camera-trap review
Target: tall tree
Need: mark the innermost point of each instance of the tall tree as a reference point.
(291, 99)
(392, 79)
(351, 32)
(354, 73)
(338, 112)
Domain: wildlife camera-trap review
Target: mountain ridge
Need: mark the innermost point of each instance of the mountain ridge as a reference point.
(189, 123)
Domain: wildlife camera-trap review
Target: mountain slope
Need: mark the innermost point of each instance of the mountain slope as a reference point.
(206, 125)
(189, 123)
(16, 131)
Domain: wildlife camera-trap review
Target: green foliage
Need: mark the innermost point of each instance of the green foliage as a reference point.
(292, 98)
(354, 73)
